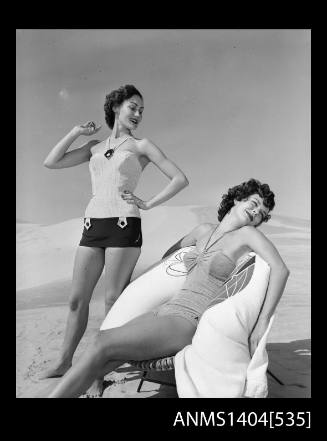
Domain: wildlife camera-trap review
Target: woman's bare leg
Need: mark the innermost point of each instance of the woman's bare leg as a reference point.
(144, 338)
(119, 266)
(88, 266)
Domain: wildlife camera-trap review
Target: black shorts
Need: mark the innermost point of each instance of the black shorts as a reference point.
(116, 232)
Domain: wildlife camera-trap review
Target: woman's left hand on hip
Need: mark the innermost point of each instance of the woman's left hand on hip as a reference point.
(130, 198)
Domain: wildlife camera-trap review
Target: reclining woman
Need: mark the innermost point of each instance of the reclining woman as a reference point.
(170, 327)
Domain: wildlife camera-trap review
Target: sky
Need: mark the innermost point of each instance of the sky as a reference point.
(224, 105)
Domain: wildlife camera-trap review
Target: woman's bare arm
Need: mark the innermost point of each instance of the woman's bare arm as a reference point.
(177, 178)
(277, 280)
(188, 240)
(184, 242)
(60, 158)
(279, 272)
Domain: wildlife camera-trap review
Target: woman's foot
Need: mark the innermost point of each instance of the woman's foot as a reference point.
(96, 390)
(56, 372)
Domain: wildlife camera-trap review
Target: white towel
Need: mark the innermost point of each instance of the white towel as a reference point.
(218, 364)
(256, 385)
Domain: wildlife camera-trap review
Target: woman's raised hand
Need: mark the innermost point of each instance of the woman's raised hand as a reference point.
(89, 128)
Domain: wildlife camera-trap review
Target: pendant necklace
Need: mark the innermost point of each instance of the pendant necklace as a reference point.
(110, 151)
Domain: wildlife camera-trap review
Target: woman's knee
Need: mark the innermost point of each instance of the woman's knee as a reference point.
(111, 296)
(109, 344)
(101, 348)
(78, 303)
(95, 354)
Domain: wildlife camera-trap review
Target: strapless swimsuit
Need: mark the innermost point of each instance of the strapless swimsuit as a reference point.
(207, 272)
(109, 220)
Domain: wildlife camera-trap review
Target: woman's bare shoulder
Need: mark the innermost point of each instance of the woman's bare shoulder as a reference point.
(96, 144)
(147, 147)
(250, 231)
(196, 233)
(203, 229)
(250, 235)
(142, 143)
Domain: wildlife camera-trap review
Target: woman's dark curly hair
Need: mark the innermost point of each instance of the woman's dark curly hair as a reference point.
(115, 98)
(243, 191)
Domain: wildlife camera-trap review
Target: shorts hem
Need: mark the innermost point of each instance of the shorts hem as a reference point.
(89, 245)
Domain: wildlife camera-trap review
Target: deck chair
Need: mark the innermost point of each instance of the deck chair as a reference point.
(235, 283)
(167, 364)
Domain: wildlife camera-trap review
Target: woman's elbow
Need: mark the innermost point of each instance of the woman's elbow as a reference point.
(280, 269)
(284, 271)
(182, 180)
(49, 164)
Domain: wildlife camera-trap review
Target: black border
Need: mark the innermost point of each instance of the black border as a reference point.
(143, 417)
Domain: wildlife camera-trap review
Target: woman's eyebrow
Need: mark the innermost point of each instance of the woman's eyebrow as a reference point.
(133, 102)
(255, 199)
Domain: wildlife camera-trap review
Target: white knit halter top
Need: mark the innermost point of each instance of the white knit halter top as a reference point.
(110, 177)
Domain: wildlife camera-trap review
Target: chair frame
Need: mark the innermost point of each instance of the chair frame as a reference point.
(157, 365)
(167, 364)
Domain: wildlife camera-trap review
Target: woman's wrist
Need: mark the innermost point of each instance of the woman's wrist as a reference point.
(148, 205)
(76, 131)
(265, 317)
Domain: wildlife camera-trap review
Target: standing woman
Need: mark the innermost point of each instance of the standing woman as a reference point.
(112, 236)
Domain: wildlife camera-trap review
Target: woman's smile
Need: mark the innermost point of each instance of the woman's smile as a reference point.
(249, 215)
(134, 121)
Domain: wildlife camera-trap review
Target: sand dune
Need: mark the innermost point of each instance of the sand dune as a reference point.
(45, 256)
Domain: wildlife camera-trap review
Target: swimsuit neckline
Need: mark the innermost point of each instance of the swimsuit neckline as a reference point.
(215, 251)
(206, 248)
(133, 155)
(117, 154)
(108, 142)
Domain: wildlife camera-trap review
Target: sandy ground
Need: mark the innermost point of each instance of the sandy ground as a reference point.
(44, 263)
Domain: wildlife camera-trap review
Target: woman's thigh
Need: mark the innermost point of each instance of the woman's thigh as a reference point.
(119, 266)
(88, 267)
(147, 336)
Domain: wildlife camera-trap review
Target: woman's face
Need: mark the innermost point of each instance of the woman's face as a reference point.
(251, 211)
(130, 112)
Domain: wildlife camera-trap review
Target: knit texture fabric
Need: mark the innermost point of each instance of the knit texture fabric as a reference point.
(110, 177)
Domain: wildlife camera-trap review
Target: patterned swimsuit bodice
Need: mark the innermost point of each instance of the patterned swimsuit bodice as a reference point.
(110, 177)
(207, 270)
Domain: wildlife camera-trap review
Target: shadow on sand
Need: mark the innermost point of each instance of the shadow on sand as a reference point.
(289, 362)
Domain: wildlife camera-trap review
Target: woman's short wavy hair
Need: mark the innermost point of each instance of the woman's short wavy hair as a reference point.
(116, 98)
(243, 191)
